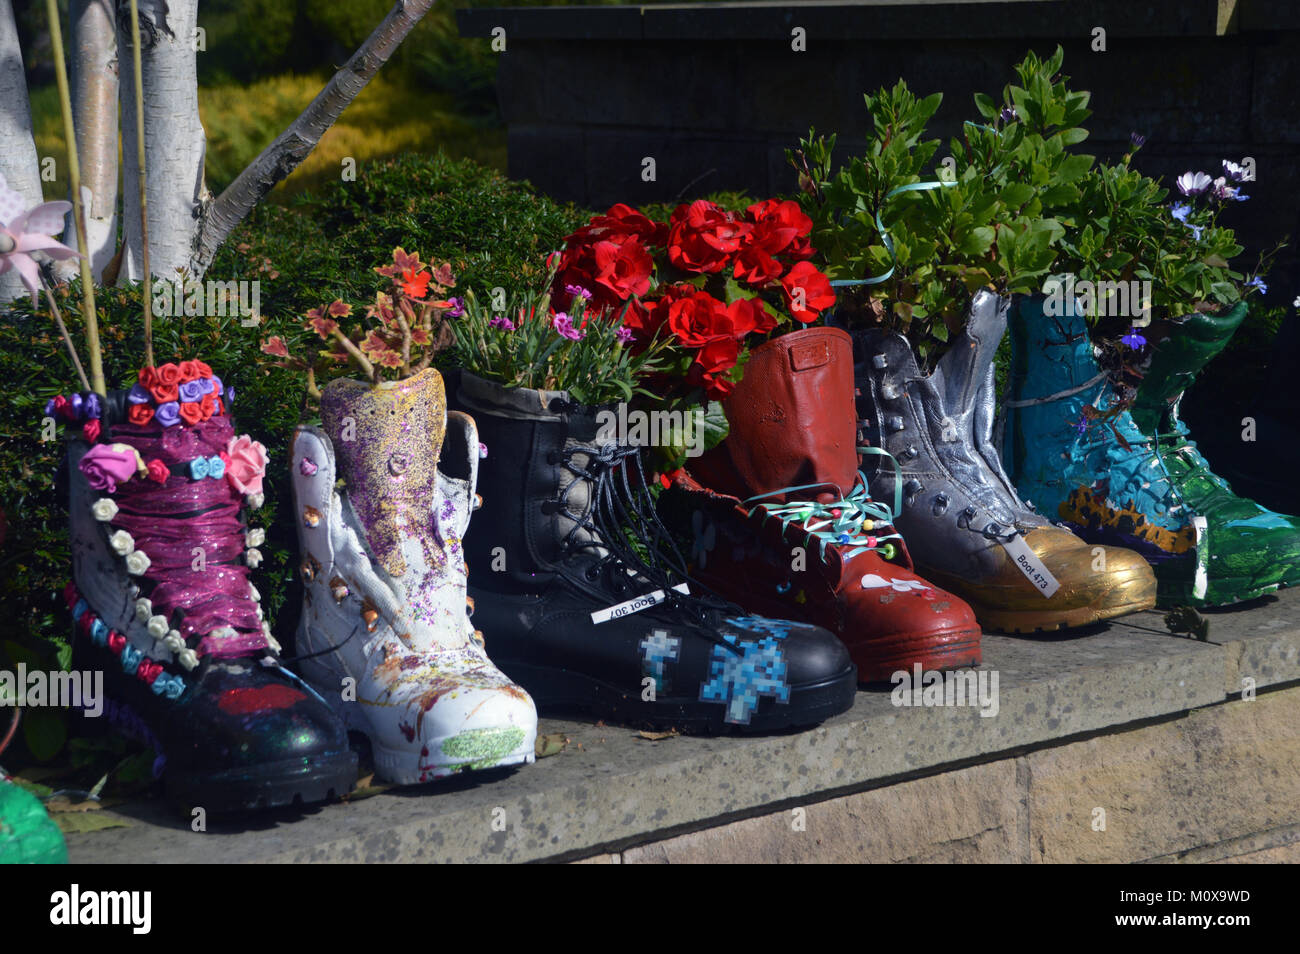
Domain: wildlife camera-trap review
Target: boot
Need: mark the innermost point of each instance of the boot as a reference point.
(163, 604)
(1132, 477)
(385, 626)
(964, 523)
(585, 596)
(785, 525)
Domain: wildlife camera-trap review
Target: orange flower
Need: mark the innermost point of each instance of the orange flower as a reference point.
(415, 284)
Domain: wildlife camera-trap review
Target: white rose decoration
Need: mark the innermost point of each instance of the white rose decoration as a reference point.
(136, 562)
(255, 501)
(158, 627)
(252, 591)
(122, 543)
(253, 558)
(174, 641)
(143, 610)
(104, 509)
(255, 537)
(187, 658)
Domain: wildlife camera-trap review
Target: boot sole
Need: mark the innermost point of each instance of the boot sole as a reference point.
(1242, 590)
(555, 691)
(1036, 621)
(299, 781)
(878, 660)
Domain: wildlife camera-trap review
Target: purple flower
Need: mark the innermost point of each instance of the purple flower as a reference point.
(217, 386)
(75, 411)
(577, 291)
(500, 321)
(624, 334)
(191, 392)
(1137, 140)
(564, 325)
(93, 408)
(1008, 114)
(1257, 282)
(1233, 171)
(1193, 183)
(457, 308)
(1181, 212)
(230, 396)
(139, 394)
(1134, 339)
(168, 414)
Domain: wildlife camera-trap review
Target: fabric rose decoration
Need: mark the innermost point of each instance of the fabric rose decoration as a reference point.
(247, 465)
(140, 414)
(158, 471)
(169, 414)
(121, 542)
(107, 465)
(136, 562)
(91, 430)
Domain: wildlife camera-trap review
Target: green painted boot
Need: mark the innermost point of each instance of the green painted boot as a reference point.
(1134, 478)
(27, 836)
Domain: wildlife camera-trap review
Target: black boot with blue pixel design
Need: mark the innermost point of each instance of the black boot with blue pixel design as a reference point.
(582, 595)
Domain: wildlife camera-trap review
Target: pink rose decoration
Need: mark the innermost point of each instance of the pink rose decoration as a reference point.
(91, 430)
(107, 465)
(247, 465)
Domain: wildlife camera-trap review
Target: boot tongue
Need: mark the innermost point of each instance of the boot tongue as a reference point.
(387, 440)
(962, 370)
(792, 422)
(1177, 360)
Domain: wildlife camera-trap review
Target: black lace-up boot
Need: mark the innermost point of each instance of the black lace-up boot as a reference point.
(582, 596)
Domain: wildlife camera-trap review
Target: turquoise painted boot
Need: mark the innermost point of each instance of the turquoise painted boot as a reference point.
(1130, 476)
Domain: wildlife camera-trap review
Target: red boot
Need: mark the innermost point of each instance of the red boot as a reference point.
(785, 527)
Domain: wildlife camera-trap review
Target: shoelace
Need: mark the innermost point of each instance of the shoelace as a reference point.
(842, 522)
(619, 504)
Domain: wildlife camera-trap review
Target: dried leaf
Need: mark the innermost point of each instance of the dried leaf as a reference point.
(656, 736)
(66, 803)
(71, 823)
(548, 745)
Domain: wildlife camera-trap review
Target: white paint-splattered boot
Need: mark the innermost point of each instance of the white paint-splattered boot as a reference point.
(385, 626)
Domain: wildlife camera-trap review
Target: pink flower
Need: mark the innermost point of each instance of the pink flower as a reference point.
(23, 231)
(564, 325)
(247, 464)
(91, 430)
(107, 465)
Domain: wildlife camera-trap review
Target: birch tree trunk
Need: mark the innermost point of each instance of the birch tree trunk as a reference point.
(94, 108)
(18, 160)
(293, 145)
(174, 138)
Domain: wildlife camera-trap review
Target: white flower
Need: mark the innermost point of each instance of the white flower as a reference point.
(122, 543)
(224, 632)
(158, 627)
(187, 658)
(136, 562)
(259, 611)
(252, 591)
(1296, 303)
(104, 509)
(255, 501)
(143, 610)
(255, 537)
(253, 558)
(174, 641)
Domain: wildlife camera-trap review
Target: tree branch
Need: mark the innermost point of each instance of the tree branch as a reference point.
(293, 145)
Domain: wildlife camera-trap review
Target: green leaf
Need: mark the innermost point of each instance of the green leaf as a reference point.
(75, 823)
(984, 103)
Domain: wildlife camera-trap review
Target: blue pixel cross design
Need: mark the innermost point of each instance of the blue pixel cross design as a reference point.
(739, 680)
(657, 650)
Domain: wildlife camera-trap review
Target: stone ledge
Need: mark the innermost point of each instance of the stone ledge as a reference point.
(610, 788)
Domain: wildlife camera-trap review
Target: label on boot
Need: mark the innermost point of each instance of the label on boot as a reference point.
(1028, 563)
(636, 605)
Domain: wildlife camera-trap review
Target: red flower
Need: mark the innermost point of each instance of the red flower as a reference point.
(702, 237)
(781, 228)
(91, 430)
(749, 314)
(189, 371)
(140, 414)
(699, 319)
(191, 412)
(207, 405)
(415, 284)
(622, 221)
(62, 407)
(807, 292)
(623, 267)
(712, 365)
(166, 381)
(146, 377)
(158, 471)
(755, 266)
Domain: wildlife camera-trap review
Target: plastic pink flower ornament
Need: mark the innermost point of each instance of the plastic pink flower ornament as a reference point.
(23, 232)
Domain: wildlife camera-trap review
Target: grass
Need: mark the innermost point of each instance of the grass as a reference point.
(387, 118)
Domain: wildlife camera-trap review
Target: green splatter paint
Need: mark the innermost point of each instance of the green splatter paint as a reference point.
(482, 748)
